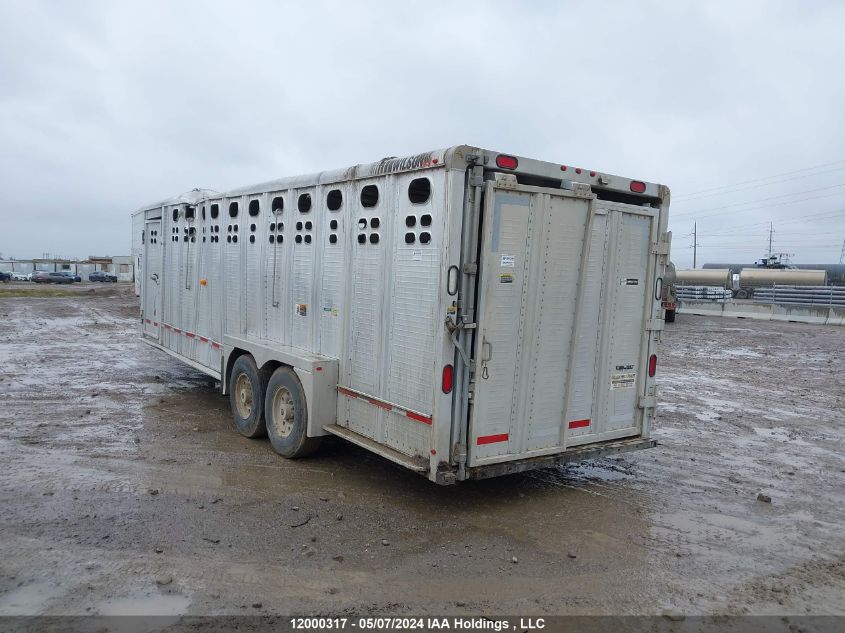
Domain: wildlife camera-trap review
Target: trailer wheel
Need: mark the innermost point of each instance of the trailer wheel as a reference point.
(287, 416)
(246, 397)
(670, 316)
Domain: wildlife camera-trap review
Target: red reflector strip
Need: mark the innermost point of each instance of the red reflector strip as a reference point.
(215, 345)
(203, 339)
(147, 321)
(177, 330)
(579, 424)
(190, 334)
(379, 404)
(491, 439)
(418, 417)
(155, 323)
(166, 327)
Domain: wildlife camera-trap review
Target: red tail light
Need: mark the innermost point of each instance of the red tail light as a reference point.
(447, 379)
(506, 162)
(652, 365)
(637, 186)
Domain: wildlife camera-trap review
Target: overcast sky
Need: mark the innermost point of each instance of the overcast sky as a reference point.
(105, 106)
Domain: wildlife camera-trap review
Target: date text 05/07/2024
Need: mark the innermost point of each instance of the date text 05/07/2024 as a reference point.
(417, 624)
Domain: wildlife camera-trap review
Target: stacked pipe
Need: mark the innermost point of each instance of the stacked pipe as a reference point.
(806, 295)
(702, 293)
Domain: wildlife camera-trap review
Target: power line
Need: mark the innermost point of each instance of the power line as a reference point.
(786, 195)
(817, 217)
(747, 182)
(690, 197)
(766, 206)
(707, 244)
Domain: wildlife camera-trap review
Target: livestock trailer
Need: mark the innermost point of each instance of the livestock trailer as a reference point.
(461, 312)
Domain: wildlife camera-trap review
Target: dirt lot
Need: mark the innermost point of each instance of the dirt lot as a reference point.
(125, 490)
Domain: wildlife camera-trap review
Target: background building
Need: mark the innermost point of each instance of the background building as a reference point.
(121, 265)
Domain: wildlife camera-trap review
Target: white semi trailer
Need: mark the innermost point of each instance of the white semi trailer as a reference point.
(462, 312)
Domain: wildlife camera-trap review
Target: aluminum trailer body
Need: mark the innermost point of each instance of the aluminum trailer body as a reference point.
(461, 312)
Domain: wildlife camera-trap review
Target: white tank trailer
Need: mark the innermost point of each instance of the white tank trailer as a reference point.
(461, 312)
(757, 277)
(704, 277)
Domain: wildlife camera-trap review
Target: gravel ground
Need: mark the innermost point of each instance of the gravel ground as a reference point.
(125, 490)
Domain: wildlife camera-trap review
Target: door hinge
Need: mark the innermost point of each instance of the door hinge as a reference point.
(476, 177)
(661, 247)
(647, 402)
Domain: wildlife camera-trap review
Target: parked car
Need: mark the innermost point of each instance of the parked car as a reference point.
(43, 277)
(74, 277)
(21, 276)
(5, 276)
(99, 275)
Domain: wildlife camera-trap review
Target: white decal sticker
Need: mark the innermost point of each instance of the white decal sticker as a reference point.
(508, 261)
(417, 256)
(623, 381)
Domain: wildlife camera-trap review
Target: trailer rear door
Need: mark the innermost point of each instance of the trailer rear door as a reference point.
(561, 340)
(152, 278)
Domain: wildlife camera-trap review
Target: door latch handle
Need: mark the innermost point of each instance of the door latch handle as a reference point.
(486, 355)
(486, 350)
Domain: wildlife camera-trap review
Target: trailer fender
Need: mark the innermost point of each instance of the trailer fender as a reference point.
(320, 387)
(230, 359)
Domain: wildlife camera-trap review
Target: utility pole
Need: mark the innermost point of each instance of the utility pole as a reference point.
(842, 254)
(771, 231)
(694, 236)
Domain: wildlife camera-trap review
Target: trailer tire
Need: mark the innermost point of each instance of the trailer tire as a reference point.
(287, 416)
(246, 397)
(670, 316)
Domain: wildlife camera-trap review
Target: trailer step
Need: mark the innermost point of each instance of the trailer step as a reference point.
(416, 464)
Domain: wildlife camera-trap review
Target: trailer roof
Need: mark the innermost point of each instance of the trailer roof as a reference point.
(452, 157)
(189, 197)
